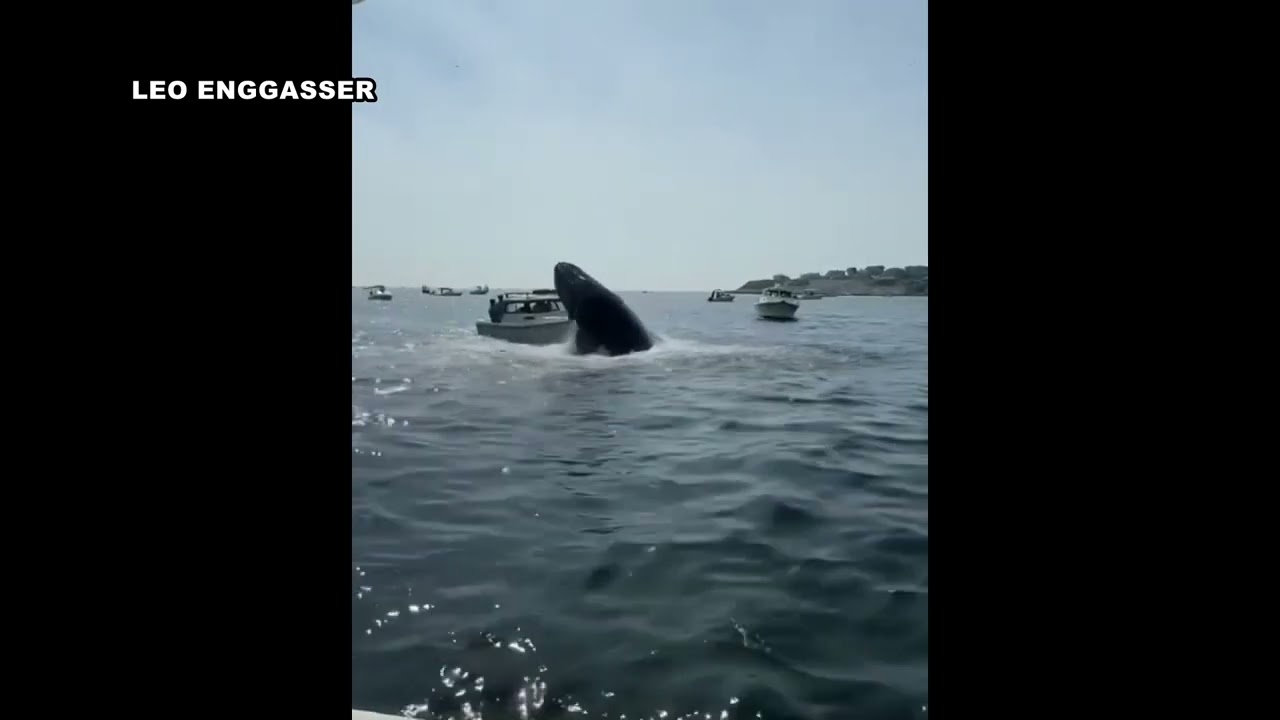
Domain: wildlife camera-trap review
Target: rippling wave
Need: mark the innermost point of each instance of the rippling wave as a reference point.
(734, 524)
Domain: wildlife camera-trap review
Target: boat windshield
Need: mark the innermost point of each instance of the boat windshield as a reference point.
(529, 307)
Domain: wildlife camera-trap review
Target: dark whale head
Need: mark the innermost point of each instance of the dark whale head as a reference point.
(604, 321)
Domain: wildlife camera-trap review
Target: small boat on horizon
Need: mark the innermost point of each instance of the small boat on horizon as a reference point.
(442, 291)
(378, 292)
(719, 295)
(480, 290)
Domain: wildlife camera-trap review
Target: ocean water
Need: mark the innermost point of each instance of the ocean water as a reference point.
(732, 525)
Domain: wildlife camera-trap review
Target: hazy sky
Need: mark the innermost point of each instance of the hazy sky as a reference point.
(659, 144)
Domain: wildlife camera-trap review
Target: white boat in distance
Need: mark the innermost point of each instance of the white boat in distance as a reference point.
(719, 295)
(809, 294)
(442, 291)
(532, 318)
(378, 292)
(777, 303)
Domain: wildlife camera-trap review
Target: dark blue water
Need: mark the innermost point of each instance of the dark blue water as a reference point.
(734, 524)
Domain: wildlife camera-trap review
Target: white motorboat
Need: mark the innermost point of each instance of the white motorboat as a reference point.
(719, 295)
(378, 292)
(448, 292)
(532, 318)
(777, 303)
(480, 290)
(808, 294)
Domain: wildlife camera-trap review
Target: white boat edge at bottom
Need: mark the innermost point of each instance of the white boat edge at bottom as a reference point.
(365, 715)
(777, 310)
(552, 330)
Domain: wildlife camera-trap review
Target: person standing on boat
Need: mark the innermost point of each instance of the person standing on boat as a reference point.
(495, 313)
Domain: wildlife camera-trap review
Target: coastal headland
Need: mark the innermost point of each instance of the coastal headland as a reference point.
(870, 280)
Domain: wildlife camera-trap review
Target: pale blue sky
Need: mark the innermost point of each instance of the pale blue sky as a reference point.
(658, 144)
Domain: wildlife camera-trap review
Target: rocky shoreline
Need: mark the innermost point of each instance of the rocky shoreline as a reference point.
(875, 280)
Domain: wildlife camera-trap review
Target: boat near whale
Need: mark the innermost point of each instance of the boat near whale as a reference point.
(528, 318)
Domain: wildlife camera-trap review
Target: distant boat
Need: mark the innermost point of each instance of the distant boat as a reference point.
(777, 303)
(426, 290)
(719, 295)
(809, 294)
(448, 292)
(378, 292)
(480, 290)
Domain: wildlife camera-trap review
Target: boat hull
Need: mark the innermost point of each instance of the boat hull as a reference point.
(543, 332)
(777, 310)
(382, 296)
(721, 299)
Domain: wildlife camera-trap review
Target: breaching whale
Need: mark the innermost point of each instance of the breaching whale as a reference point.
(604, 322)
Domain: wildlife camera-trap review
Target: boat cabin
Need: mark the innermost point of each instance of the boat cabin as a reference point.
(778, 292)
(525, 306)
